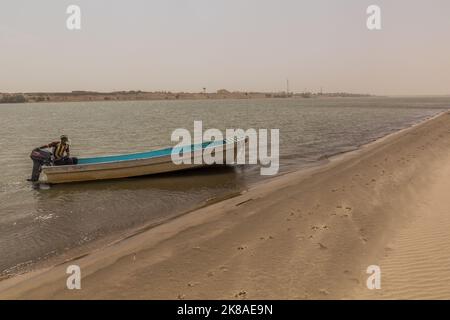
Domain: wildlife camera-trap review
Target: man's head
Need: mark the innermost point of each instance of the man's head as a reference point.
(64, 139)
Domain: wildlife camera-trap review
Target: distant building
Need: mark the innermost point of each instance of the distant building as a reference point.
(223, 91)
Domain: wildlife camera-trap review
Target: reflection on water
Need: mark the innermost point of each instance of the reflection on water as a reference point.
(38, 222)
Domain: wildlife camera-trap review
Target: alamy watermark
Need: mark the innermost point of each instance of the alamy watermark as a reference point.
(374, 280)
(229, 148)
(73, 22)
(74, 280)
(374, 19)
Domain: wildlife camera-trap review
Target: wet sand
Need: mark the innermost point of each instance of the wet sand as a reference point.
(308, 234)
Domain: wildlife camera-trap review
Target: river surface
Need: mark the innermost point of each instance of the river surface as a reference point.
(37, 223)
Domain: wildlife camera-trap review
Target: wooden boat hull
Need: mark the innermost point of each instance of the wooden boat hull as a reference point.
(125, 169)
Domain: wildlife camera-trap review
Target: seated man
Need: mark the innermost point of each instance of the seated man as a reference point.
(61, 152)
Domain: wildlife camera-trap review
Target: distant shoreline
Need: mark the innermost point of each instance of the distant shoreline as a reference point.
(85, 96)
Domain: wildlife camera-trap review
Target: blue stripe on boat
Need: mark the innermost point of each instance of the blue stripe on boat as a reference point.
(148, 154)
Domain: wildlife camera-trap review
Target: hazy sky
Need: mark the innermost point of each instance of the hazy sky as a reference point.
(185, 45)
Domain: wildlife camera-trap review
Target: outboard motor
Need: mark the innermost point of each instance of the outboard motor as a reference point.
(40, 157)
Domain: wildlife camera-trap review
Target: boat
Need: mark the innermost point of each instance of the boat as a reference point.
(137, 164)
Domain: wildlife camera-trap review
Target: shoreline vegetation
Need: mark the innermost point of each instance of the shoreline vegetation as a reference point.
(309, 234)
(82, 96)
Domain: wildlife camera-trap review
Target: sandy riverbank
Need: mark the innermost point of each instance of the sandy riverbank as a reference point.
(309, 234)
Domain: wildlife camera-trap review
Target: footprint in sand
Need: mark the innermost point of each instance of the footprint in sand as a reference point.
(324, 292)
(322, 247)
(223, 269)
(241, 294)
(354, 280)
(323, 227)
(343, 212)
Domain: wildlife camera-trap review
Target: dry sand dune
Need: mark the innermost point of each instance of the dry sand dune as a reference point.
(417, 264)
(308, 234)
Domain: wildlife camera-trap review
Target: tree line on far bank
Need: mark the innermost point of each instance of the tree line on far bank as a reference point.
(13, 98)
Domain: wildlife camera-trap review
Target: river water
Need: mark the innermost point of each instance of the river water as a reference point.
(39, 223)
